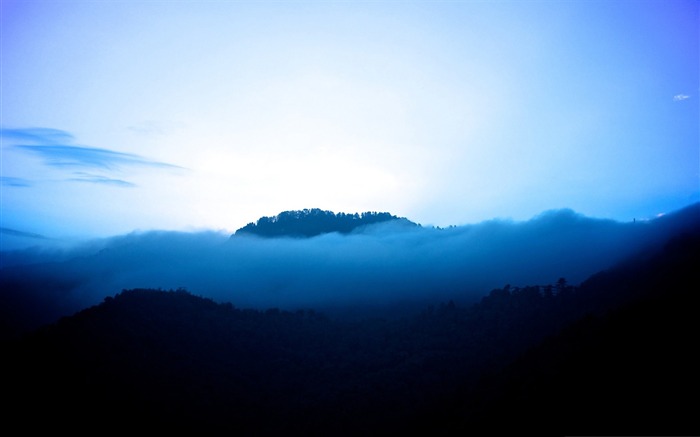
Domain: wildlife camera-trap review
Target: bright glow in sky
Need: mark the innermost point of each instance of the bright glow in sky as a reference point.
(127, 115)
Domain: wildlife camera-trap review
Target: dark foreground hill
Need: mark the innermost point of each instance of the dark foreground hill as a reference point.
(615, 356)
(307, 223)
(627, 366)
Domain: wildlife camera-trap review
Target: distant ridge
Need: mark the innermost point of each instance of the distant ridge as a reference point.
(614, 355)
(307, 223)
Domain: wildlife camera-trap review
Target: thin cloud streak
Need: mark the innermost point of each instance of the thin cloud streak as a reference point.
(54, 148)
(16, 233)
(54, 145)
(680, 97)
(60, 155)
(8, 181)
(39, 135)
(97, 179)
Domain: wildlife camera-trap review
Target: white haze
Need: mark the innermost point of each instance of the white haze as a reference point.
(383, 265)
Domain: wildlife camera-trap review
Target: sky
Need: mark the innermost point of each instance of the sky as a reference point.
(206, 115)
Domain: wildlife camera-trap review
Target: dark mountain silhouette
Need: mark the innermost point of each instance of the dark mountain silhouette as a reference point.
(613, 356)
(307, 223)
(385, 266)
(623, 363)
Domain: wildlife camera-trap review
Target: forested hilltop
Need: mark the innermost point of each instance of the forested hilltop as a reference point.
(613, 356)
(311, 222)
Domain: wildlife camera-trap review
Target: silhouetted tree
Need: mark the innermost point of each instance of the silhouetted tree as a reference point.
(311, 222)
(561, 286)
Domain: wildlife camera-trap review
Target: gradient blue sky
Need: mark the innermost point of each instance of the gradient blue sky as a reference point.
(138, 115)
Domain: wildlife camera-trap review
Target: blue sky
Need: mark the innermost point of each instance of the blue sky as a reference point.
(184, 115)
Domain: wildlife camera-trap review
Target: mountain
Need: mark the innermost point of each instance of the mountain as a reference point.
(382, 266)
(626, 364)
(612, 356)
(307, 223)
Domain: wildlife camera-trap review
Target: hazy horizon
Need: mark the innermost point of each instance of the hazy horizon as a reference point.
(18, 240)
(385, 265)
(124, 116)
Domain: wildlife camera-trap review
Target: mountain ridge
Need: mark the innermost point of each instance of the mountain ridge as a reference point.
(383, 265)
(310, 222)
(166, 360)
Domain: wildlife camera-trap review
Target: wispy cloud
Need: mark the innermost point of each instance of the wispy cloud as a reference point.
(16, 233)
(38, 135)
(8, 181)
(56, 148)
(61, 155)
(97, 179)
(679, 97)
